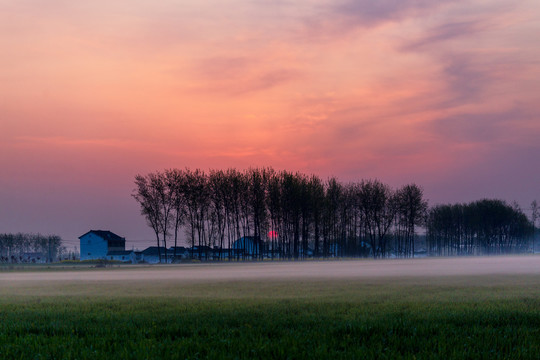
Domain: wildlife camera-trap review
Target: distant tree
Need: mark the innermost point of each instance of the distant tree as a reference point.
(148, 196)
(412, 211)
(53, 245)
(14, 246)
(175, 183)
(379, 207)
(257, 181)
(275, 210)
(164, 186)
(316, 190)
(218, 213)
(485, 226)
(331, 233)
(197, 202)
(293, 214)
(535, 213)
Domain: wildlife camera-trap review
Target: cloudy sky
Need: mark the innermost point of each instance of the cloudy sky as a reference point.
(445, 94)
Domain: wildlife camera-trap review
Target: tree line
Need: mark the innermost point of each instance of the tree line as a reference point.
(19, 248)
(298, 216)
(480, 227)
(294, 215)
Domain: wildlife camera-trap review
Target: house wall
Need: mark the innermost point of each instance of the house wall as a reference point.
(116, 245)
(93, 247)
(151, 259)
(124, 258)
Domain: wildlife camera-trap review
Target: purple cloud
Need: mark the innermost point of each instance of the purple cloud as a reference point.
(339, 19)
(486, 127)
(445, 32)
(368, 13)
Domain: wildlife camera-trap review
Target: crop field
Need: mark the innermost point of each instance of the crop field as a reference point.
(486, 308)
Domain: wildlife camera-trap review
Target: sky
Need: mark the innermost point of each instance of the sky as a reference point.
(445, 94)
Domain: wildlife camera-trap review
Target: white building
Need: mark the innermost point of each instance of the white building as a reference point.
(96, 244)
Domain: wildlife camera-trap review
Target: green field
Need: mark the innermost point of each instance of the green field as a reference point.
(486, 317)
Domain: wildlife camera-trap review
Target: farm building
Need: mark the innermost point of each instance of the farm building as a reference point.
(201, 252)
(151, 255)
(124, 256)
(248, 247)
(181, 252)
(96, 244)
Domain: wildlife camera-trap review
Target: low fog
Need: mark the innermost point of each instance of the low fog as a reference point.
(430, 267)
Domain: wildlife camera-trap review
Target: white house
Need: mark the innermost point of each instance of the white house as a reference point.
(96, 244)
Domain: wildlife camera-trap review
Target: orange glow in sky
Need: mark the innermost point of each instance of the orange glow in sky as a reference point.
(445, 94)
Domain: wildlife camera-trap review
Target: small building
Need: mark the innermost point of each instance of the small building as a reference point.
(96, 244)
(180, 251)
(202, 252)
(151, 255)
(34, 257)
(123, 256)
(248, 247)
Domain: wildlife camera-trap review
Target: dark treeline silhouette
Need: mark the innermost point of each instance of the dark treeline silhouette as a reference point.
(291, 215)
(295, 216)
(480, 227)
(17, 248)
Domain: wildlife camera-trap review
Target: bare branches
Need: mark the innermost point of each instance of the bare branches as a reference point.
(294, 216)
(480, 227)
(15, 248)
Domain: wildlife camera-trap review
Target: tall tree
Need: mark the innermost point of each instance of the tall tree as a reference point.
(163, 186)
(481, 227)
(197, 205)
(379, 207)
(412, 210)
(175, 183)
(148, 197)
(316, 189)
(535, 213)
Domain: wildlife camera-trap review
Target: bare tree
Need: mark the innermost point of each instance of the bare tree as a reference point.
(379, 207)
(148, 198)
(535, 213)
(175, 181)
(412, 211)
(197, 203)
(16, 247)
(481, 227)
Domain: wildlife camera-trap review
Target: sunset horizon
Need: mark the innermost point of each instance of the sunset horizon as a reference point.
(443, 94)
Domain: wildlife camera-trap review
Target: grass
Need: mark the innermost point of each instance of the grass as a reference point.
(485, 317)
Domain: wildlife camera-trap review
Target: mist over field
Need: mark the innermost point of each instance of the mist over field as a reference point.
(325, 270)
(437, 308)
